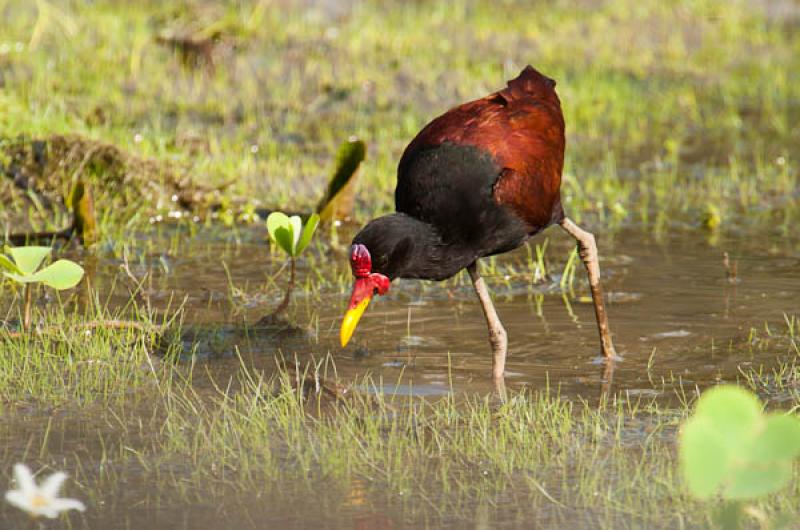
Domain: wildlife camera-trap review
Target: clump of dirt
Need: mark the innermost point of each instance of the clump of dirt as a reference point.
(47, 169)
(45, 172)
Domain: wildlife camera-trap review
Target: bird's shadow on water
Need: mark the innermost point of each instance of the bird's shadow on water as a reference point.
(269, 335)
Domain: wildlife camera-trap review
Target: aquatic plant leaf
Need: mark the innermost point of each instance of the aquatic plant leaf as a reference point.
(750, 481)
(28, 259)
(296, 229)
(338, 199)
(733, 411)
(276, 220)
(729, 447)
(8, 265)
(63, 274)
(280, 230)
(780, 439)
(704, 457)
(285, 239)
(308, 233)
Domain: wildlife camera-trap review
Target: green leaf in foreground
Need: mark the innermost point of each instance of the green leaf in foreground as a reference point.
(729, 447)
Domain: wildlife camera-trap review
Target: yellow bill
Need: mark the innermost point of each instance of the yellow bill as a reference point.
(351, 319)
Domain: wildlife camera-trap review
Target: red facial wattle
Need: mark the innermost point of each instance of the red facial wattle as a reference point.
(367, 284)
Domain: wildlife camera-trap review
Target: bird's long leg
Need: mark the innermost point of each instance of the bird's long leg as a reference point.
(497, 334)
(588, 251)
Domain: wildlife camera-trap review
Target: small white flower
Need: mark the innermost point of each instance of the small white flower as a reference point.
(40, 500)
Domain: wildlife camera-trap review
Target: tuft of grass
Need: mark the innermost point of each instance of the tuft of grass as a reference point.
(84, 359)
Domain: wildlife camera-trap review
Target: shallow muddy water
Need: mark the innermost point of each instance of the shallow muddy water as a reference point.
(673, 307)
(676, 315)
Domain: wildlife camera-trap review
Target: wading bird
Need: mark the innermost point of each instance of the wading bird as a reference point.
(477, 181)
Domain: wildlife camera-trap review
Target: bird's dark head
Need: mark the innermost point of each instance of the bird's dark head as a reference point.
(365, 286)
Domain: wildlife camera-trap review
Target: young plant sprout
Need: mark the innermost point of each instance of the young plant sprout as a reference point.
(292, 237)
(730, 449)
(20, 264)
(40, 501)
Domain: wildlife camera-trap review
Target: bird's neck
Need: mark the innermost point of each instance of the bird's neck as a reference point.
(404, 247)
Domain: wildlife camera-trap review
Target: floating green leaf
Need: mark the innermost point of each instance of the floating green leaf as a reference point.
(729, 447)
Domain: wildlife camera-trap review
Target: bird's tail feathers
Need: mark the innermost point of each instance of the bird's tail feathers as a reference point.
(531, 82)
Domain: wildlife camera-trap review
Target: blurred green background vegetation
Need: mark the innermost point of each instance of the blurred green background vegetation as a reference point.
(674, 110)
